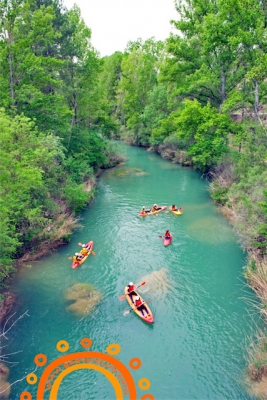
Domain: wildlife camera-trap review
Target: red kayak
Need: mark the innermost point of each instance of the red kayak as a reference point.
(167, 240)
(90, 246)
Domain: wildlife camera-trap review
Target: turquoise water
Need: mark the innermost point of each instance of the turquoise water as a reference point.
(196, 347)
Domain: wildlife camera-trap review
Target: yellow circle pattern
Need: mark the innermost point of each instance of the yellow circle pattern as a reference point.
(31, 379)
(63, 346)
(113, 349)
(144, 384)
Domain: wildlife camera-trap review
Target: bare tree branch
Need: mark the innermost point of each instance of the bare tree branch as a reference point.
(6, 331)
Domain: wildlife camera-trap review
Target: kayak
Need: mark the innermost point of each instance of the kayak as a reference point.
(161, 208)
(177, 212)
(145, 318)
(76, 264)
(167, 240)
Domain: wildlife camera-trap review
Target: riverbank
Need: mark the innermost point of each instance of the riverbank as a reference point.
(237, 212)
(56, 233)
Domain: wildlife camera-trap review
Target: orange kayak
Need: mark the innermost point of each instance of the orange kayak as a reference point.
(76, 264)
(148, 317)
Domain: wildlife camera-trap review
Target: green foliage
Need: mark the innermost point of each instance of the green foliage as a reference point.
(26, 159)
(139, 76)
(87, 148)
(76, 197)
(262, 240)
(157, 108)
(204, 132)
(220, 195)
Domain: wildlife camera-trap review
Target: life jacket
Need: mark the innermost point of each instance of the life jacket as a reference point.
(138, 302)
(84, 250)
(130, 288)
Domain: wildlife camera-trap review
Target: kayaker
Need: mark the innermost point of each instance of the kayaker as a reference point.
(130, 290)
(174, 208)
(167, 234)
(140, 306)
(84, 250)
(154, 208)
(78, 257)
(143, 211)
(87, 246)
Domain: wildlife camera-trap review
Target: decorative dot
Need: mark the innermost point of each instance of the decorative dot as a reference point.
(31, 379)
(144, 383)
(147, 397)
(62, 346)
(135, 363)
(113, 349)
(86, 343)
(40, 360)
(25, 396)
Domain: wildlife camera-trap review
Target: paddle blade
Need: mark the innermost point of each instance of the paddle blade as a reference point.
(142, 284)
(160, 236)
(94, 254)
(126, 312)
(80, 244)
(121, 297)
(181, 208)
(69, 258)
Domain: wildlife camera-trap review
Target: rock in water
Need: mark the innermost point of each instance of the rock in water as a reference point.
(157, 283)
(84, 296)
(4, 385)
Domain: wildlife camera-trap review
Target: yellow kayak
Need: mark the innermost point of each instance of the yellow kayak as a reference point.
(176, 212)
(160, 209)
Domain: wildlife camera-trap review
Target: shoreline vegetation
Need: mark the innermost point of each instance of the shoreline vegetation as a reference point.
(197, 99)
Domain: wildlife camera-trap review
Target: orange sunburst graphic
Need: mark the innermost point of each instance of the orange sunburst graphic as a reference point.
(114, 370)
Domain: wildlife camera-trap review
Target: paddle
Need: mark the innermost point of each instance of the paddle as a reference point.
(164, 236)
(70, 258)
(125, 312)
(80, 244)
(142, 284)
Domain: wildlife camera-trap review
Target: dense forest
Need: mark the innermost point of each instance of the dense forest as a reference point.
(198, 99)
(54, 121)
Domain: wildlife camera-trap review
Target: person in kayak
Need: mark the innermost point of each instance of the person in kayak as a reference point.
(78, 257)
(140, 306)
(155, 208)
(87, 246)
(174, 208)
(130, 290)
(144, 211)
(167, 234)
(84, 250)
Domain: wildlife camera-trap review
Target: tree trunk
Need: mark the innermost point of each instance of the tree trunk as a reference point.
(11, 78)
(256, 101)
(223, 87)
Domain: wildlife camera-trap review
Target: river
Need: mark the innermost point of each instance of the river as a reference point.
(196, 347)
